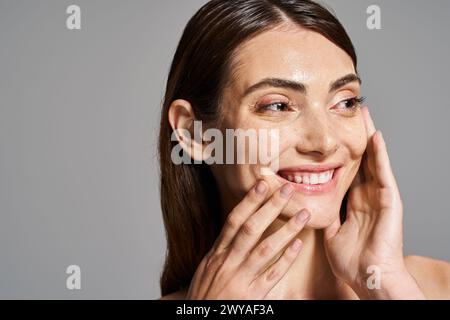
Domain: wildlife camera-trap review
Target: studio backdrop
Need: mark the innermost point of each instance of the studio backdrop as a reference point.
(81, 85)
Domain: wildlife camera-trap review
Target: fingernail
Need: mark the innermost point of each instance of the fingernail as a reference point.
(302, 216)
(286, 190)
(260, 187)
(296, 245)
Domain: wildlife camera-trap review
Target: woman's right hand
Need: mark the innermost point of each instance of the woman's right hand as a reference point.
(237, 265)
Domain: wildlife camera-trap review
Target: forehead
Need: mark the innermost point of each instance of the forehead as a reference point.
(295, 53)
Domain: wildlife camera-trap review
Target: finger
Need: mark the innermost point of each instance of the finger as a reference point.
(253, 228)
(248, 206)
(270, 247)
(197, 280)
(212, 263)
(368, 163)
(383, 170)
(269, 278)
(370, 127)
(359, 177)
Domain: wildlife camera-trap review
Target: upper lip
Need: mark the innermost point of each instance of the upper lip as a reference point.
(311, 168)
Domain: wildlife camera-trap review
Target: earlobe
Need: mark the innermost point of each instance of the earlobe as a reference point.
(182, 119)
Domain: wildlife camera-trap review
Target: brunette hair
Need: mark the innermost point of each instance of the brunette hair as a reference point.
(199, 73)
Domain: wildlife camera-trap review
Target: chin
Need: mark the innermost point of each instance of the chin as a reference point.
(324, 210)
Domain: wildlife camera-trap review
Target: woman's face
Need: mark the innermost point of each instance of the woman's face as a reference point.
(321, 133)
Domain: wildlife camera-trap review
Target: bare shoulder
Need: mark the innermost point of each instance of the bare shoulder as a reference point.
(179, 295)
(432, 276)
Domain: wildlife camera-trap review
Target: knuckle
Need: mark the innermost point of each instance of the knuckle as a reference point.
(232, 221)
(207, 258)
(214, 261)
(272, 274)
(252, 197)
(264, 249)
(202, 266)
(208, 262)
(249, 228)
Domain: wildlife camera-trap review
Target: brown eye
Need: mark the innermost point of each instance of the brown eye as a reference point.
(274, 107)
(350, 104)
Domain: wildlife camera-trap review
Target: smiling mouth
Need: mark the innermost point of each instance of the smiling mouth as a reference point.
(307, 177)
(311, 179)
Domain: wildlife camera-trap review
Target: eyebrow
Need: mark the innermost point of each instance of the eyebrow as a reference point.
(341, 82)
(298, 86)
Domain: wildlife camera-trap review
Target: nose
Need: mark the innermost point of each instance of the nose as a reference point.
(317, 136)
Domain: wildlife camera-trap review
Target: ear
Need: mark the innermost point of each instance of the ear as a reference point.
(189, 135)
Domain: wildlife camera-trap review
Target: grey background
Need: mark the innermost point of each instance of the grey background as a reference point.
(79, 117)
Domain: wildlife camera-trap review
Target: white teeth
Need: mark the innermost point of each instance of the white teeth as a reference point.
(310, 178)
(314, 179)
(323, 177)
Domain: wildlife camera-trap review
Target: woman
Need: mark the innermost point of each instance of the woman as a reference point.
(327, 223)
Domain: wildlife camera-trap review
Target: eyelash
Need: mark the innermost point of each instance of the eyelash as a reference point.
(357, 101)
(265, 107)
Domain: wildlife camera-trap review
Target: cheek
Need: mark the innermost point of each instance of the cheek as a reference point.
(238, 177)
(277, 141)
(353, 141)
(353, 137)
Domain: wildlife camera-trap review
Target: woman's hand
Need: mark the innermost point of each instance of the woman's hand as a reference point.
(238, 267)
(371, 238)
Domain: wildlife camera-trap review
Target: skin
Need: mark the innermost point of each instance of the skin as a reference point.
(255, 256)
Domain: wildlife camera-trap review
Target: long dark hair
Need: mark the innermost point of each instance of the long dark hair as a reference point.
(199, 73)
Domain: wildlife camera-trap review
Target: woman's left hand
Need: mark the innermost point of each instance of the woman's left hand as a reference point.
(369, 243)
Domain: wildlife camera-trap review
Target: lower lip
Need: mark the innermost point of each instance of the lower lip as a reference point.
(315, 189)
